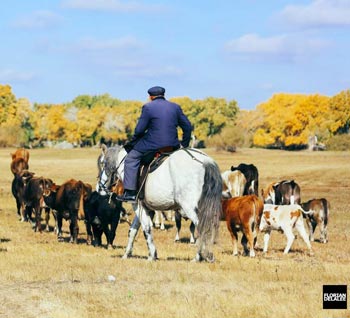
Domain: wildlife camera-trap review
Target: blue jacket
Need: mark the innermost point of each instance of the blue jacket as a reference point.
(157, 126)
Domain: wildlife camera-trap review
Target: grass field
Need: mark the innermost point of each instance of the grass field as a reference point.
(41, 277)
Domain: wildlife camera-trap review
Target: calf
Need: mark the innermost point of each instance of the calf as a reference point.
(252, 178)
(70, 199)
(108, 210)
(243, 214)
(285, 218)
(21, 153)
(234, 183)
(282, 193)
(318, 215)
(34, 191)
(18, 187)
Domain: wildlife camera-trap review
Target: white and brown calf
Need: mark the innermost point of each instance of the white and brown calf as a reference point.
(318, 214)
(284, 218)
(233, 183)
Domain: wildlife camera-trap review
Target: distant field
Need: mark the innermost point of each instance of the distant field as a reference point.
(41, 277)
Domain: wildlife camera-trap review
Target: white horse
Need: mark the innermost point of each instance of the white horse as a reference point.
(188, 181)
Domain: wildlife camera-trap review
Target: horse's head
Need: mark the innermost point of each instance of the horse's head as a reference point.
(110, 165)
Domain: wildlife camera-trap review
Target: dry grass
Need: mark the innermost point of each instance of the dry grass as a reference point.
(43, 278)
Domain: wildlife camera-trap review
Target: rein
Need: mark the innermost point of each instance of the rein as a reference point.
(188, 151)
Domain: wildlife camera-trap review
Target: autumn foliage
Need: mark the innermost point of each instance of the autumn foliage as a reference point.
(285, 121)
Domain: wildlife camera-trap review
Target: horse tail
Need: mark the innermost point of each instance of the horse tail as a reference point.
(209, 205)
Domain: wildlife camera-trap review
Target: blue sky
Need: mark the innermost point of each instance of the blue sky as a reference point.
(246, 50)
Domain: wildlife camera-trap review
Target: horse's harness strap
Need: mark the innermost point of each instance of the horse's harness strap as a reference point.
(188, 151)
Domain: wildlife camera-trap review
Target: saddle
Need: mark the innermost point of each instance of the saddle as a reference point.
(151, 161)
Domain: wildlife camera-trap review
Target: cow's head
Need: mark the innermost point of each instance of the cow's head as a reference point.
(26, 175)
(117, 187)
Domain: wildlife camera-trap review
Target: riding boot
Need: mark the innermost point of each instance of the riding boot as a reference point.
(128, 196)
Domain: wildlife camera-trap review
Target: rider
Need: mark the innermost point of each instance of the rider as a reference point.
(155, 129)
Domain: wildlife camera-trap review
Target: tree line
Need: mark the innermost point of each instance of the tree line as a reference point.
(284, 121)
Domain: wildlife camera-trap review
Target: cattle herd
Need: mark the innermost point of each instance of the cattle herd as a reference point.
(73, 200)
(278, 207)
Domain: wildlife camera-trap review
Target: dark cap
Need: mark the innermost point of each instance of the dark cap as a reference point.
(156, 91)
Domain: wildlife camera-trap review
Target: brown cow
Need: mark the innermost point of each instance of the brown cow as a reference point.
(21, 153)
(243, 214)
(36, 188)
(70, 199)
(18, 165)
(318, 215)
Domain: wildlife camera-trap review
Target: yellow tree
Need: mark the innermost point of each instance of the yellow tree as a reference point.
(288, 120)
(340, 112)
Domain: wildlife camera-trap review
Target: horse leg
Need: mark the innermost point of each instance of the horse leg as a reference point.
(178, 225)
(134, 228)
(192, 229)
(162, 221)
(157, 217)
(202, 249)
(147, 232)
(144, 220)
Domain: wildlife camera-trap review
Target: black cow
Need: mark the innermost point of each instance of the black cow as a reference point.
(18, 187)
(103, 214)
(252, 176)
(69, 203)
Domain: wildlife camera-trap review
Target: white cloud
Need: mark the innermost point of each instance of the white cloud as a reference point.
(9, 75)
(37, 19)
(112, 5)
(286, 47)
(320, 13)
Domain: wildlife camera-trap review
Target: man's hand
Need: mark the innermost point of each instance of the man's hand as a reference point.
(128, 147)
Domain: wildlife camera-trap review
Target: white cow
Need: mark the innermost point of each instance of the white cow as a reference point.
(285, 218)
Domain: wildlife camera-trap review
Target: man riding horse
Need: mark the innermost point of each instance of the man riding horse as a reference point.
(155, 129)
